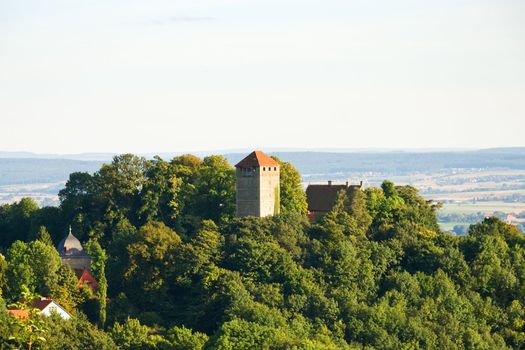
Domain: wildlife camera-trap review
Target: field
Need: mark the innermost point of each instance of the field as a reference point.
(484, 207)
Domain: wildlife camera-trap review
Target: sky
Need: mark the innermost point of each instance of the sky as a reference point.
(173, 75)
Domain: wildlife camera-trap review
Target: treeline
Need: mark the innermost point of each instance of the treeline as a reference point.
(184, 273)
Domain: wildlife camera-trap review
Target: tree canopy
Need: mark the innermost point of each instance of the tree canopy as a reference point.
(179, 271)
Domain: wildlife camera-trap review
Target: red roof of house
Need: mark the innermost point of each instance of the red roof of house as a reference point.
(85, 277)
(19, 313)
(256, 159)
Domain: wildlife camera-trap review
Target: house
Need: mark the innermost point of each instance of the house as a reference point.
(45, 306)
(48, 306)
(321, 197)
(85, 278)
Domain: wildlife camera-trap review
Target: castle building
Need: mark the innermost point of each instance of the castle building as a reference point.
(72, 253)
(257, 184)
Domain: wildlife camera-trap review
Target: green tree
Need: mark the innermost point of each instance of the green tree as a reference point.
(123, 235)
(15, 221)
(160, 192)
(186, 169)
(152, 259)
(3, 274)
(44, 236)
(131, 335)
(98, 268)
(292, 195)
(203, 250)
(76, 333)
(182, 338)
(82, 202)
(215, 189)
(121, 183)
(357, 208)
(34, 265)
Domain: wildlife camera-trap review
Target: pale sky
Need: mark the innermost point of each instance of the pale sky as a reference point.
(172, 75)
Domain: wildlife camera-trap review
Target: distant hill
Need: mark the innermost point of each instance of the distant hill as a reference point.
(398, 162)
(32, 171)
(21, 168)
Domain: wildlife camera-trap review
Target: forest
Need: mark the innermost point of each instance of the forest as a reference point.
(177, 270)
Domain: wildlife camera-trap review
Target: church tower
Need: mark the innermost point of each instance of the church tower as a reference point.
(257, 185)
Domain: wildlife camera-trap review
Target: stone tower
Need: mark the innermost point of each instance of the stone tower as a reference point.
(257, 185)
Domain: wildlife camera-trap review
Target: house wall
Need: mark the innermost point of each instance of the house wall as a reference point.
(54, 308)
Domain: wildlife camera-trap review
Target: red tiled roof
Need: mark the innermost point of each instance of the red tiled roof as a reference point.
(84, 277)
(256, 159)
(18, 313)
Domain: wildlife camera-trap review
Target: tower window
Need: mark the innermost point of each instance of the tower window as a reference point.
(264, 168)
(275, 168)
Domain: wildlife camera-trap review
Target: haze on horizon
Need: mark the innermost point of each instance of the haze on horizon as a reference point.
(169, 75)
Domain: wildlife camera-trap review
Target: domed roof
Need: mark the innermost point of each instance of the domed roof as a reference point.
(70, 245)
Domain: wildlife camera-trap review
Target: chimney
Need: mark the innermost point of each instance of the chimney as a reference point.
(361, 183)
(329, 182)
(347, 183)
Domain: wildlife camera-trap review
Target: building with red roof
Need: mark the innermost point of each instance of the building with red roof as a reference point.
(85, 278)
(257, 184)
(45, 306)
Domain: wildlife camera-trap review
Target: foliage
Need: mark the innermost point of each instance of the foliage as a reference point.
(292, 196)
(184, 273)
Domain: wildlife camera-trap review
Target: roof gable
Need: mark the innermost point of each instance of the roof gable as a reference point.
(85, 277)
(256, 159)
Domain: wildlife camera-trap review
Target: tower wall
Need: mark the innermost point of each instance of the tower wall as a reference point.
(257, 191)
(269, 191)
(77, 262)
(248, 193)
